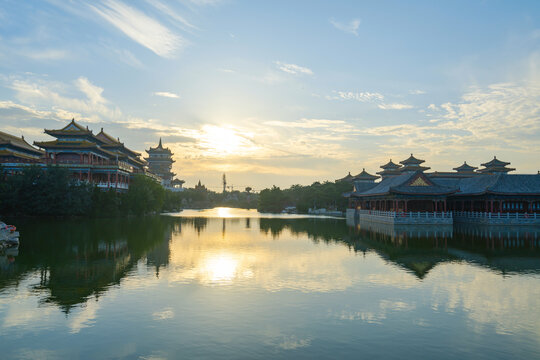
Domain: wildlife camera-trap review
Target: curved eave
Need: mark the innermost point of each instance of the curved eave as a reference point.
(490, 192)
(422, 194)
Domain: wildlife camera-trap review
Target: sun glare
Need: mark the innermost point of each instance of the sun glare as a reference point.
(219, 269)
(224, 212)
(222, 141)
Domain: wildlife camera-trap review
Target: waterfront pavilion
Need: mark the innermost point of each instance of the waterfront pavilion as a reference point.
(410, 191)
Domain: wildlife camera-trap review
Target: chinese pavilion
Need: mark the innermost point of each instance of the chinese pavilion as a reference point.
(99, 159)
(15, 152)
(160, 163)
(409, 195)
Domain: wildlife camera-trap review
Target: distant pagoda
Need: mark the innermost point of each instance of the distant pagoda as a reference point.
(160, 163)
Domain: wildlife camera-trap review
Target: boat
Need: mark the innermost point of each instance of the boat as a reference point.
(9, 236)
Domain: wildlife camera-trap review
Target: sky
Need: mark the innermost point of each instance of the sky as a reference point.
(280, 92)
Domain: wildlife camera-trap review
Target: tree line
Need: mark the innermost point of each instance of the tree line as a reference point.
(328, 195)
(54, 192)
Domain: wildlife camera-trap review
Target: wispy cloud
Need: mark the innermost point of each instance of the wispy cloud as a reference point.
(417, 92)
(140, 28)
(167, 94)
(307, 123)
(351, 27)
(395, 106)
(368, 97)
(293, 68)
(47, 54)
(167, 10)
(360, 96)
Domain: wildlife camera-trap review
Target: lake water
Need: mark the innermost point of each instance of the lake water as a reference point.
(235, 284)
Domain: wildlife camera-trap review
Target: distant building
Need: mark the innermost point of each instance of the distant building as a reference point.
(160, 163)
(200, 186)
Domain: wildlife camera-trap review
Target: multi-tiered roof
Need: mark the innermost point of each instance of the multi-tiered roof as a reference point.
(389, 169)
(348, 178)
(114, 145)
(365, 176)
(495, 166)
(465, 169)
(76, 138)
(412, 164)
(160, 162)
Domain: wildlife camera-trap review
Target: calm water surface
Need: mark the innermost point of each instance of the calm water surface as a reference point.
(234, 284)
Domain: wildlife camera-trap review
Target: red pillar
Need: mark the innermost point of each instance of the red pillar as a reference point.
(405, 205)
(116, 179)
(444, 205)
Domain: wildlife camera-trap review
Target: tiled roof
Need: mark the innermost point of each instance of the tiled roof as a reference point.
(411, 161)
(365, 176)
(349, 177)
(495, 163)
(400, 184)
(500, 184)
(107, 139)
(465, 168)
(19, 142)
(413, 167)
(390, 165)
(70, 129)
(18, 155)
(361, 186)
(159, 149)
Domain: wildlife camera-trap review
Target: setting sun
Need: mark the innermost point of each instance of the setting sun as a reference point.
(223, 141)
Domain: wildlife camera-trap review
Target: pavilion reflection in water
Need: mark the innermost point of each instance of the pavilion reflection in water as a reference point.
(83, 259)
(418, 249)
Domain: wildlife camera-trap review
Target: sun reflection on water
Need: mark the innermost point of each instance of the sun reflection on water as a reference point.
(219, 268)
(224, 212)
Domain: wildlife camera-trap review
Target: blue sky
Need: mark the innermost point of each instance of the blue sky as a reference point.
(280, 92)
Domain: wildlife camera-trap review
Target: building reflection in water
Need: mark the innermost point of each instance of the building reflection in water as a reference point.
(421, 248)
(76, 260)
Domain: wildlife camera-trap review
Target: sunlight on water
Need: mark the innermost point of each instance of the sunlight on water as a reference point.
(224, 212)
(220, 268)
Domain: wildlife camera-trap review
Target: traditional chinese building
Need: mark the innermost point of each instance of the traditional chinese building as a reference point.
(15, 153)
(407, 194)
(99, 159)
(160, 163)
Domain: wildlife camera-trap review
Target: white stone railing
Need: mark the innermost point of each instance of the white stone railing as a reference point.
(112, 185)
(490, 215)
(409, 214)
